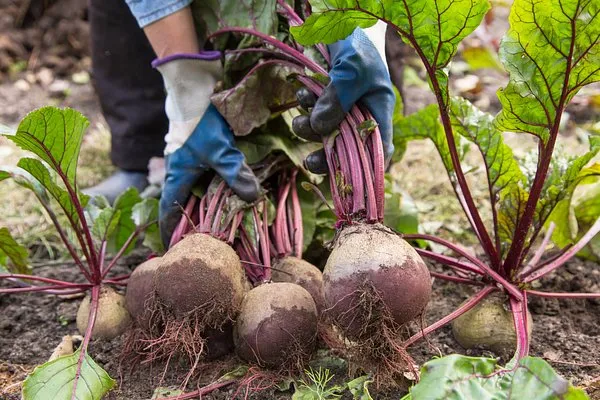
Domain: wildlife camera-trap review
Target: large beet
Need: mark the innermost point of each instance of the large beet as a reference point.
(140, 292)
(373, 274)
(295, 270)
(277, 325)
(201, 274)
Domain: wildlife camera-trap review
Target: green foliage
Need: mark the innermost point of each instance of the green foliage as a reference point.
(11, 251)
(400, 213)
(425, 124)
(145, 218)
(316, 386)
(457, 377)
(211, 15)
(55, 136)
(550, 51)
(55, 379)
(248, 104)
(573, 217)
(433, 27)
(359, 387)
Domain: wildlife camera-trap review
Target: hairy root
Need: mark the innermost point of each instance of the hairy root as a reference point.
(376, 346)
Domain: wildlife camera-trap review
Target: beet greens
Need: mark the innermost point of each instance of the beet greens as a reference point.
(550, 52)
(91, 232)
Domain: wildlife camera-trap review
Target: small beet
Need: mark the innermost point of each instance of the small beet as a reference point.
(140, 292)
(277, 325)
(295, 270)
(489, 325)
(112, 318)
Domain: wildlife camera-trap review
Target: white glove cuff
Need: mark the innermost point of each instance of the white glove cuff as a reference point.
(189, 84)
(376, 34)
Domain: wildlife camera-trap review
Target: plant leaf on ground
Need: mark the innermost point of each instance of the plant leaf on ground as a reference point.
(11, 251)
(550, 51)
(54, 380)
(359, 387)
(460, 377)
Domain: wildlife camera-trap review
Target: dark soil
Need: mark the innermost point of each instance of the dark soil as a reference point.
(566, 333)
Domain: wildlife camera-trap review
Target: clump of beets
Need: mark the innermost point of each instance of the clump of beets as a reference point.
(277, 326)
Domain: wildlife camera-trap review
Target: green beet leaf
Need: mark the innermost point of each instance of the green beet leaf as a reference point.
(401, 213)
(145, 214)
(53, 185)
(550, 51)
(211, 15)
(125, 226)
(425, 124)
(566, 214)
(106, 223)
(11, 251)
(458, 377)
(433, 27)
(55, 136)
(249, 104)
(55, 379)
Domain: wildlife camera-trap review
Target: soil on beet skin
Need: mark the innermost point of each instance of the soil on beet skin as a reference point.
(566, 333)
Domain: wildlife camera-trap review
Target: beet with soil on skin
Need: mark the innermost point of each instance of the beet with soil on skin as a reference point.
(140, 292)
(112, 318)
(277, 325)
(201, 274)
(371, 275)
(489, 325)
(296, 270)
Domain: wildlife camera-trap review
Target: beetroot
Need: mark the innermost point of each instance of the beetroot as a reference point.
(201, 275)
(140, 292)
(112, 318)
(277, 325)
(295, 270)
(372, 270)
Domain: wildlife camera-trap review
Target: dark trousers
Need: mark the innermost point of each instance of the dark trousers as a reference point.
(131, 92)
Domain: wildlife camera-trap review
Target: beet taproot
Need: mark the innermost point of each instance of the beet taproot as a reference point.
(296, 270)
(112, 318)
(373, 273)
(277, 325)
(140, 292)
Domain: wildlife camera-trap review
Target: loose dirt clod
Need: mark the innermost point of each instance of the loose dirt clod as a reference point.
(112, 318)
(295, 270)
(277, 325)
(489, 325)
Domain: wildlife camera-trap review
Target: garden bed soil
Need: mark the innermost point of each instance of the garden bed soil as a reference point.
(566, 333)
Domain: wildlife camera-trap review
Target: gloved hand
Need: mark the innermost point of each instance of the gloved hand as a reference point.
(199, 139)
(358, 74)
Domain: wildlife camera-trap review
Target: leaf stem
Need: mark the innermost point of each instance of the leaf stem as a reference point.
(515, 253)
(469, 304)
(558, 295)
(298, 228)
(86, 338)
(456, 279)
(509, 287)
(593, 231)
(519, 311)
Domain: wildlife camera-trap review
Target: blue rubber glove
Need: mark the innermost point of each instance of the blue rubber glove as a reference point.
(199, 139)
(358, 74)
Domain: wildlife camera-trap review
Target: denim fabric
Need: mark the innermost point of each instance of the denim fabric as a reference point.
(149, 11)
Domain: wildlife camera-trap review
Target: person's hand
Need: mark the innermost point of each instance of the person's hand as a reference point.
(199, 139)
(358, 74)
